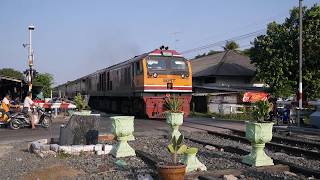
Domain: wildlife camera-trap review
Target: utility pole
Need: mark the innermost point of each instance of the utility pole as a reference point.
(300, 63)
(30, 58)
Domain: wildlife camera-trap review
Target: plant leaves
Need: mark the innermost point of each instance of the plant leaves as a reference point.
(170, 148)
(174, 143)
(182, 149)
(180, 140)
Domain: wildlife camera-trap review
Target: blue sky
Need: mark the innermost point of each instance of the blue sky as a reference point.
(73, 38)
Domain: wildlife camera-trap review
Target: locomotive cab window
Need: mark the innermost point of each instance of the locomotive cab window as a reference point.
(178, 64)
(156, 64)
(167, 65)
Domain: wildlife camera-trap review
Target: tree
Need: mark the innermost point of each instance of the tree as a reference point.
(46, 81)
(276, 54)
(200, 55)
(231, 45)
(11, 73)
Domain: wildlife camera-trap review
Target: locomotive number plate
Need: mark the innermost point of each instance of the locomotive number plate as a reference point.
(168, 80)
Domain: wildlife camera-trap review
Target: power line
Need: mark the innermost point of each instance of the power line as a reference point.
(236, 38)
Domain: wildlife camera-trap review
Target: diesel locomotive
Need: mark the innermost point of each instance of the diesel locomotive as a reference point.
(137, 86)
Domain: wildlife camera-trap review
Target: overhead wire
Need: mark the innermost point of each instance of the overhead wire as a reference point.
(236, 38)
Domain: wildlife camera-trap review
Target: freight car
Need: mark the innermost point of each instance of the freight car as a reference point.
(137, 86)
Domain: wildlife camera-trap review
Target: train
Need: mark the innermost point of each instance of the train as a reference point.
(138, 86)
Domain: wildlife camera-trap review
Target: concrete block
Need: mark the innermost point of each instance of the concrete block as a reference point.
(65, 149)
(107, 148)
(87, 148)
(54, 147)
(35, 146)
(100, 153)
(98, 147)
(76, 148)
(45, 147)
(42, 141)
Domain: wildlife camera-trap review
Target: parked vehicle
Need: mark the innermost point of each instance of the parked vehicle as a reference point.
(20, 120)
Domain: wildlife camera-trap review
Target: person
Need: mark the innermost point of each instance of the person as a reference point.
(27, 104)
(6, 105)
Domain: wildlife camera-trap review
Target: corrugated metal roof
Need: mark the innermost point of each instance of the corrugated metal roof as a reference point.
(10, 78)
(228, 63)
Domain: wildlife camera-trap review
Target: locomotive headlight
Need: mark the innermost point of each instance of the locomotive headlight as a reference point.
(155, 75)
(184, 76)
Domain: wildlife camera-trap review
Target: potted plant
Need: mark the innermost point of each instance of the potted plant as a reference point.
(259, 132)
(81, 105)
(174, 116)
(174, 170)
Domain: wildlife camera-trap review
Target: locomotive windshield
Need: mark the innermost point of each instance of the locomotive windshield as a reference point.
(171, 65)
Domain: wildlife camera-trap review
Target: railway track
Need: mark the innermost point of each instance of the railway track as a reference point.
(278, 143)
(275, 146)
(293, 167)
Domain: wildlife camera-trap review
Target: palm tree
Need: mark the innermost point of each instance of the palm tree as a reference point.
(231, 45)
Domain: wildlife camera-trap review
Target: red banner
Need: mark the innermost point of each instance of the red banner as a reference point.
(254, 97)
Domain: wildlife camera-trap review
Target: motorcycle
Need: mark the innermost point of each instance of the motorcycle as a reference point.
(41, 117)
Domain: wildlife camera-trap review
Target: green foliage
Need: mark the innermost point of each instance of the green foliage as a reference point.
(176, 147)
(261, 110)
(231, 45)
(11, 73)
(276, 55)
(46, 81)
(80, 103)
(213, 52)
(200, 55)
(173, 104)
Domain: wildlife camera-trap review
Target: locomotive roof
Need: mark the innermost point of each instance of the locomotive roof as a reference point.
(136, 58)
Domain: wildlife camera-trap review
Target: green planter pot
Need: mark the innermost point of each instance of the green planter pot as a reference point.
(258, 134)
(122, 128)
(174, 120)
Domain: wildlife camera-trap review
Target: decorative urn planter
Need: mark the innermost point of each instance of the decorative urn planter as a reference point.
(174, 120)
(122, 128)
(192, 162)
(171, 172)
(258, 134)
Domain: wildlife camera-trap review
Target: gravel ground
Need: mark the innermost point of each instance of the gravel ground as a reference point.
(213, 159)
(312, 164)
(104, 167)
(19, 163)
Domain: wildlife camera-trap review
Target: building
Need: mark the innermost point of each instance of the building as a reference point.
(220, 80)
(14, 87)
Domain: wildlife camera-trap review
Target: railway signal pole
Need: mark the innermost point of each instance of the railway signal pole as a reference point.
(300, 63)
(30, 58)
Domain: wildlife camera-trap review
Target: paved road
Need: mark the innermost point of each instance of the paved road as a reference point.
(143, 127)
